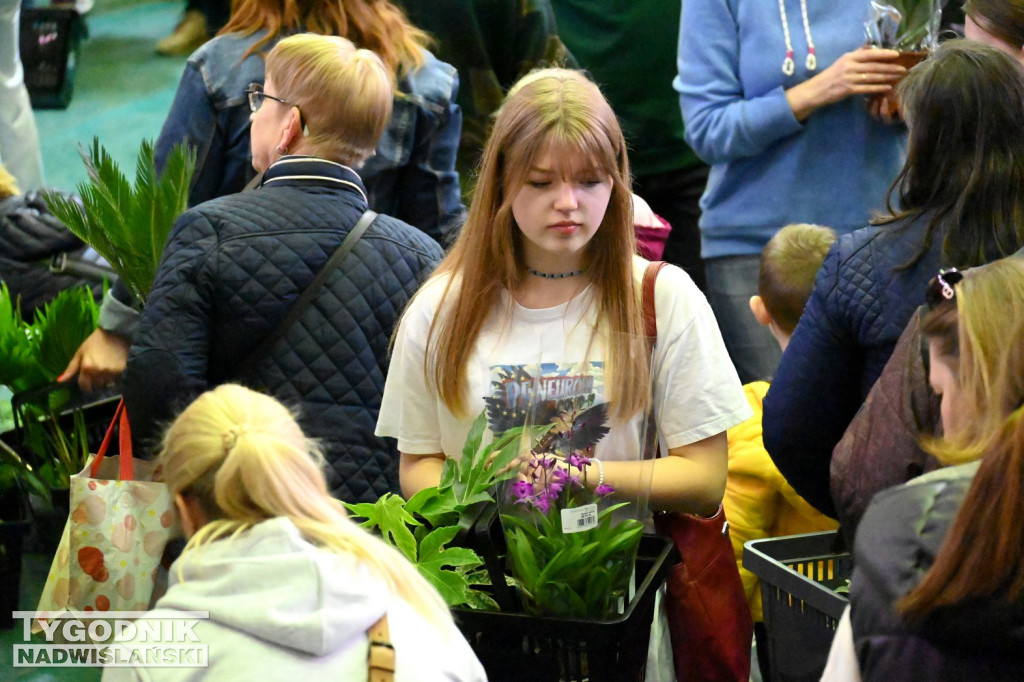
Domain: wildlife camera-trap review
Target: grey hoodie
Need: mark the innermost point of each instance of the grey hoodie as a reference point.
(279, 608)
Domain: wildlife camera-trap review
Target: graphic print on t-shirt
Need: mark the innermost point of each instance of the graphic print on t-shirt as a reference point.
(570, 396)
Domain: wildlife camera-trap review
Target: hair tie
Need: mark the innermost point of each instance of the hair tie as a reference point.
(231, 438)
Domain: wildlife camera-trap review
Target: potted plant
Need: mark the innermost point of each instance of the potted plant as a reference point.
(909, 26)
(126, 223)
(425, 528)
(39, 457)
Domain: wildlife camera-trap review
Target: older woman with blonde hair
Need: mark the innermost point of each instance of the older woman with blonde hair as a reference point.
(234, 266)
(410, 174)
(292, 586)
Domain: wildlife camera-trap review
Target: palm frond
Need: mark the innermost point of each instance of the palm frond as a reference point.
(128, 223)
(62, 325)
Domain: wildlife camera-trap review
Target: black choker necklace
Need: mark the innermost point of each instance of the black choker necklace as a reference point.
(555, 275)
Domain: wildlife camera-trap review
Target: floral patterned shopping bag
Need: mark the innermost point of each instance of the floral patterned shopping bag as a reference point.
(112, 543)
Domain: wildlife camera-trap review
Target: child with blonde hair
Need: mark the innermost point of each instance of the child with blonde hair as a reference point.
(758, 502)
(291, 585)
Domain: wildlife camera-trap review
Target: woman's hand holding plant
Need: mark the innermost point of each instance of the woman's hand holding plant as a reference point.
(864, 71)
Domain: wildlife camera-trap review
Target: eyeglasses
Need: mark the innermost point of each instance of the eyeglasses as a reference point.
(256, 97)
(940, 288)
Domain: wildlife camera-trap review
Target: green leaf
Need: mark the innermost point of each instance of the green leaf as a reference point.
(61, 327)
(389, 516)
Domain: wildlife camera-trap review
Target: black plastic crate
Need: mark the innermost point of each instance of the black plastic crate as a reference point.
(515, 646)
(799, 575)
(97, 409)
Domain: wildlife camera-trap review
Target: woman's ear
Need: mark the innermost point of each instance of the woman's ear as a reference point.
(191, 514)
(291, 130)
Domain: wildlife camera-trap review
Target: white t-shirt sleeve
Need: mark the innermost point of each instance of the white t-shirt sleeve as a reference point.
(697, 393)
(409, 408)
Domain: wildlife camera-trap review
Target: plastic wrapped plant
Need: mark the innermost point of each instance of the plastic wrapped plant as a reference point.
(571, 546)
(904, 25)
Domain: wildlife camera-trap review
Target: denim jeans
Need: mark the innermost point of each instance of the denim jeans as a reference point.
(732, 280)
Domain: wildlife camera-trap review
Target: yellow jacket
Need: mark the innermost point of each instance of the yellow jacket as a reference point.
(758, 502)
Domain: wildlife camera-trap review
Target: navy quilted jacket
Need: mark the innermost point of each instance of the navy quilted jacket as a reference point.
(860, 305)
(230, 270)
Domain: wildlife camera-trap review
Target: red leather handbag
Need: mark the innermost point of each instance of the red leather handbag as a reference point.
(708, 617)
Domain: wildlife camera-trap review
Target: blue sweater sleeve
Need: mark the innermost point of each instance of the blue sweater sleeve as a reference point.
(722, 122)
(815, 392)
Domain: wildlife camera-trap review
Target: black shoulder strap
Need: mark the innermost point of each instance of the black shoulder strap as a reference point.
(307, 296)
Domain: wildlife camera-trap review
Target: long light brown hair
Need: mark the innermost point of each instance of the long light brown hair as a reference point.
(560, 109)
(376, 25)
(244, 459)
(982, 556)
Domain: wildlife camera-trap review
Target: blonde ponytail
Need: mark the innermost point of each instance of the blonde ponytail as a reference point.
(242, 456)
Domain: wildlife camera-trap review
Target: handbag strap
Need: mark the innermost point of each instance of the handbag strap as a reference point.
(380, 659)
(307, 296)
(647, 294)
(124, 439)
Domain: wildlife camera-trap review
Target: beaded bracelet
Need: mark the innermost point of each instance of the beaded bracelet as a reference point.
(600, 471)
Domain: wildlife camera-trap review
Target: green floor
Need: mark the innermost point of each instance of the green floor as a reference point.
(122, 90)
(121, 95)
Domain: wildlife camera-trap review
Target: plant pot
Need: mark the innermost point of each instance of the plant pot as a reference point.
(556, 649)
(889, 105)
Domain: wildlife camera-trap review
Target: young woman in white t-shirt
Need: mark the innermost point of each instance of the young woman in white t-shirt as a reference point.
(543, 280)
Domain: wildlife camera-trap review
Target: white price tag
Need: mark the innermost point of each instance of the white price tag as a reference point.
(579, 519)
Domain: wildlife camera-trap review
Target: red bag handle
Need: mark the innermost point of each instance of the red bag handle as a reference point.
(647, 292)
(124, 437)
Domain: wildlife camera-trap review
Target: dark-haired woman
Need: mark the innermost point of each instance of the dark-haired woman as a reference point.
(957, 201)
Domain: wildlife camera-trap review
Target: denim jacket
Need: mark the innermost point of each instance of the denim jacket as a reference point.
(411, 176)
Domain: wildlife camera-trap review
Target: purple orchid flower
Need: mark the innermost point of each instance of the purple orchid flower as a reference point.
(603, 490)
(522, 490)
(578, 461)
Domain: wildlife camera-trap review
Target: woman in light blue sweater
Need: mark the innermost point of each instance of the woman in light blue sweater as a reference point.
(775, 98)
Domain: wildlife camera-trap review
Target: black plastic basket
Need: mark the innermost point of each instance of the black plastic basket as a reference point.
(14, 523)
(98, 411)
(515, 646)
(49, 40)
(799, 575)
